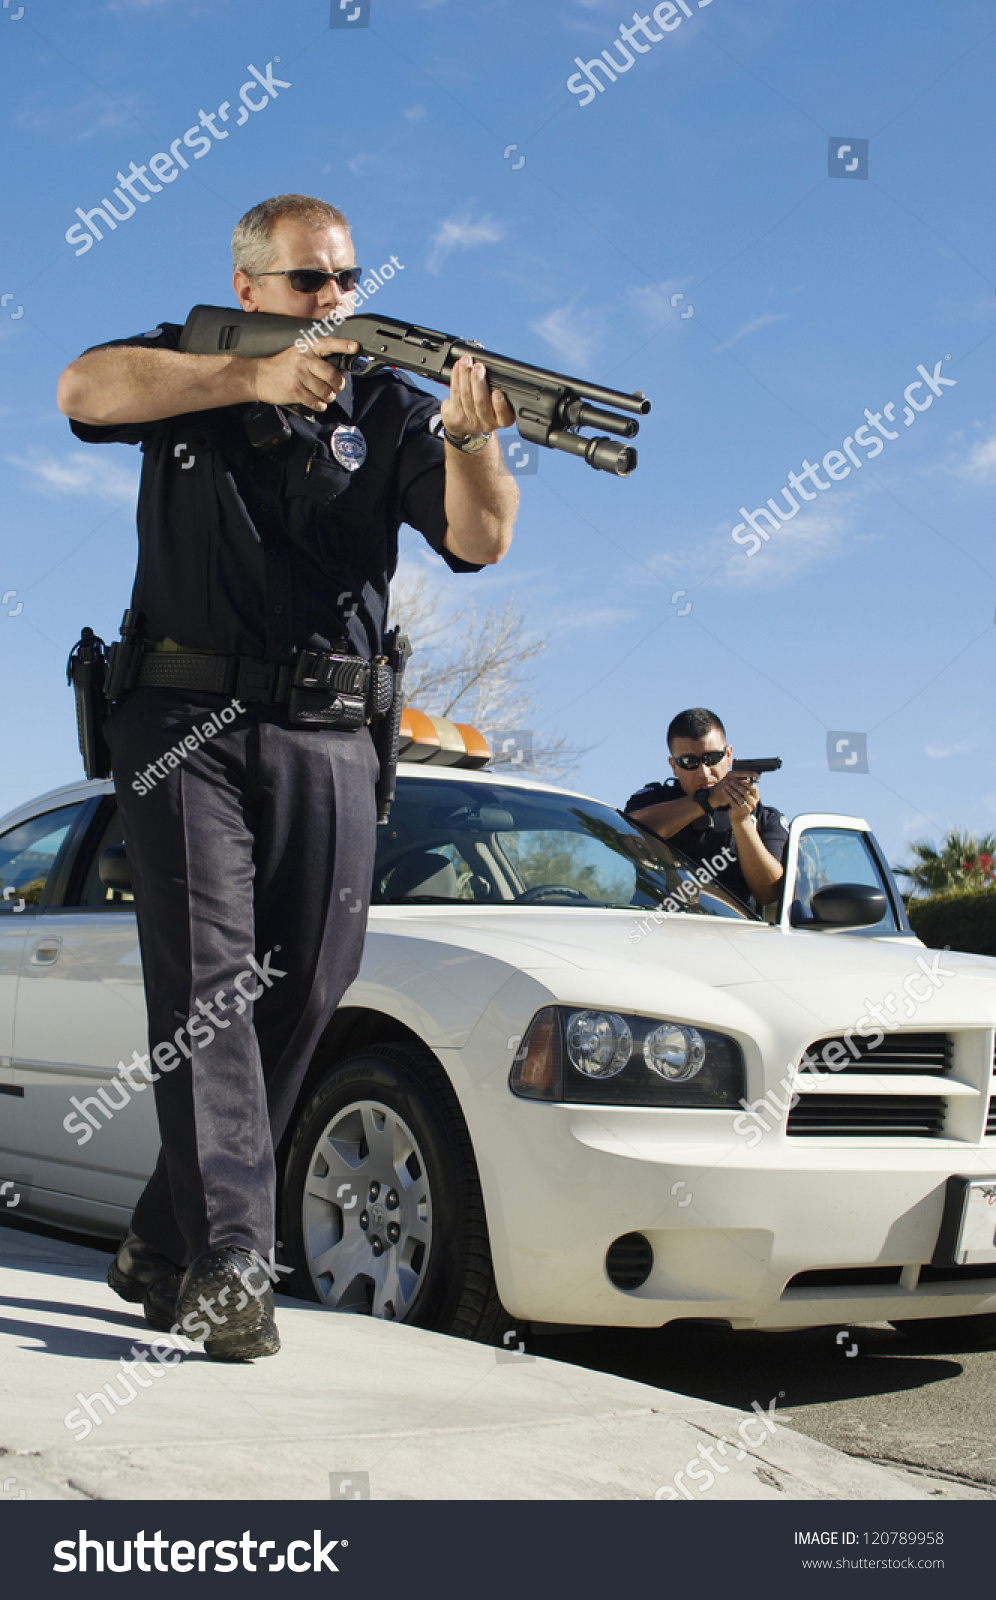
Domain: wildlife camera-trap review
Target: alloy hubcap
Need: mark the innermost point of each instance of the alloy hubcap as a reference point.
(367, 1212)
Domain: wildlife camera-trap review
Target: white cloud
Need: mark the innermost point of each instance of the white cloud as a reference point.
(44, 114)
(85, 474)
(751, 327)
(653, 301)
(461, 233)
(816, 534)
(413, 113)
(981, 462)
(572, 334)
(812, 537)
(942, 752)
(356, 164)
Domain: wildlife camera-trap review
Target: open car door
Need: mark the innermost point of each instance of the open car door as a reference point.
(837, 854)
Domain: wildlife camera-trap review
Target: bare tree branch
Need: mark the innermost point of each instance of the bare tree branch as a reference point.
(472, 668)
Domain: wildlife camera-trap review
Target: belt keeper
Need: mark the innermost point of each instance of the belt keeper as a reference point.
(255, 680)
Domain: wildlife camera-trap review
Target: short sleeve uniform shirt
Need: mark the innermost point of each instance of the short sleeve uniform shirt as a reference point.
(704, 841)
(264, 555)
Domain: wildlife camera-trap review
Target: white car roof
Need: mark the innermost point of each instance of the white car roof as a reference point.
(84, 788)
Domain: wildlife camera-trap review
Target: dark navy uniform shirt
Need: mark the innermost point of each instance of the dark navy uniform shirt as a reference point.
(702, 841)
(263, 556)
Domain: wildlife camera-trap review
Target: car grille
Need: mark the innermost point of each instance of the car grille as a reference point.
(871, 1116)
(846, 1278)
(883, 1277)
(898, 1052)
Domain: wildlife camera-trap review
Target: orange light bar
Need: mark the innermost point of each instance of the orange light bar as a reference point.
(478, 749)
(419, 740)
(441, 742)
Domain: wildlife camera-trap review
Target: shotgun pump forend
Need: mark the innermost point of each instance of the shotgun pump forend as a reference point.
(549, 407)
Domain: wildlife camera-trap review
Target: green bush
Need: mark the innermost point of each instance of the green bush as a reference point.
(963, 921)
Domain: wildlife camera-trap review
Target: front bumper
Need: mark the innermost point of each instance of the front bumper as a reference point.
(729, 1227)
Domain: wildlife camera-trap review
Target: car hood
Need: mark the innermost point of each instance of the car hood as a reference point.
(715, 950)
(442, 971)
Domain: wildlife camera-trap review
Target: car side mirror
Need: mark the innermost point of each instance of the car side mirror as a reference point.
(113, 869)
(844, 905)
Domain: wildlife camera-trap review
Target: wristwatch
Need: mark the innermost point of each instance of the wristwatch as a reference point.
(469, 443)
(701, 797)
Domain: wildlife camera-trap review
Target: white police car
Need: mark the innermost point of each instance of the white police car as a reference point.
(572, 1084)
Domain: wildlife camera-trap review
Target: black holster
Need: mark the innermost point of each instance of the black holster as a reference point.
(99, 677)
(386, 729)
(86, 671)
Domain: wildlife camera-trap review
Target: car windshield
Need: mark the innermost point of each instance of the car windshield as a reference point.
(452, 842)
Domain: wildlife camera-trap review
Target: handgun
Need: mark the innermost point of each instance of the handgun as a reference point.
(762, 764)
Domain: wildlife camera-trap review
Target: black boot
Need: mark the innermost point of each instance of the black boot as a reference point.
(226, 1299)
(140, 1274)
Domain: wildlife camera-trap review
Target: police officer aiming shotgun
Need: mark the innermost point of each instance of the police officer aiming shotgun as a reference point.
(263, 572)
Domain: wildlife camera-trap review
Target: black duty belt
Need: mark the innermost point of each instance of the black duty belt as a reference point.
(318, 687)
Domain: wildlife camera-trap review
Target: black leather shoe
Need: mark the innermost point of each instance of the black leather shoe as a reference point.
(226, 1299)
(141, 1275)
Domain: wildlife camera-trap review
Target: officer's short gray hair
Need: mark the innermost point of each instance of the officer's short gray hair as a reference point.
(252, 251)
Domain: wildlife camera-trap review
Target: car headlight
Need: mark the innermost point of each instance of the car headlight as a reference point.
(676, 1053)
(601, 1057)
(599, 1043)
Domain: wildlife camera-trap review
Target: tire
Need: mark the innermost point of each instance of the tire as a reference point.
(387, 1218)
(951, 1333)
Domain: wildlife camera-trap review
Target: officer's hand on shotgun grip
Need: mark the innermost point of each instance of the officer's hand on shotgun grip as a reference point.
(299, 377)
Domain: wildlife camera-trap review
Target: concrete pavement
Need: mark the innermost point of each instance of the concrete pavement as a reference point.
(354, 1406)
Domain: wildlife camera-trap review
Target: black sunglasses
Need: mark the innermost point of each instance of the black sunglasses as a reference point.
(712, 758)
(308, 280)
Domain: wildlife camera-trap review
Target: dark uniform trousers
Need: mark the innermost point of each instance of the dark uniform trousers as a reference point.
(260, 841)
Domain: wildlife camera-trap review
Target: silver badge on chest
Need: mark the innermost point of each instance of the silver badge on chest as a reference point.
(349, 447)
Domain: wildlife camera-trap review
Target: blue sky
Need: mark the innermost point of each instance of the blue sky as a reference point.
(701, 171)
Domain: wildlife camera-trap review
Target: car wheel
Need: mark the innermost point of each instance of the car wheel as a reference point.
(382, 1210)
(950, 1333)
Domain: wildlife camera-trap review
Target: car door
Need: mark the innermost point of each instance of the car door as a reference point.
(824, 848)
(31, 848)
(89, 1136)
